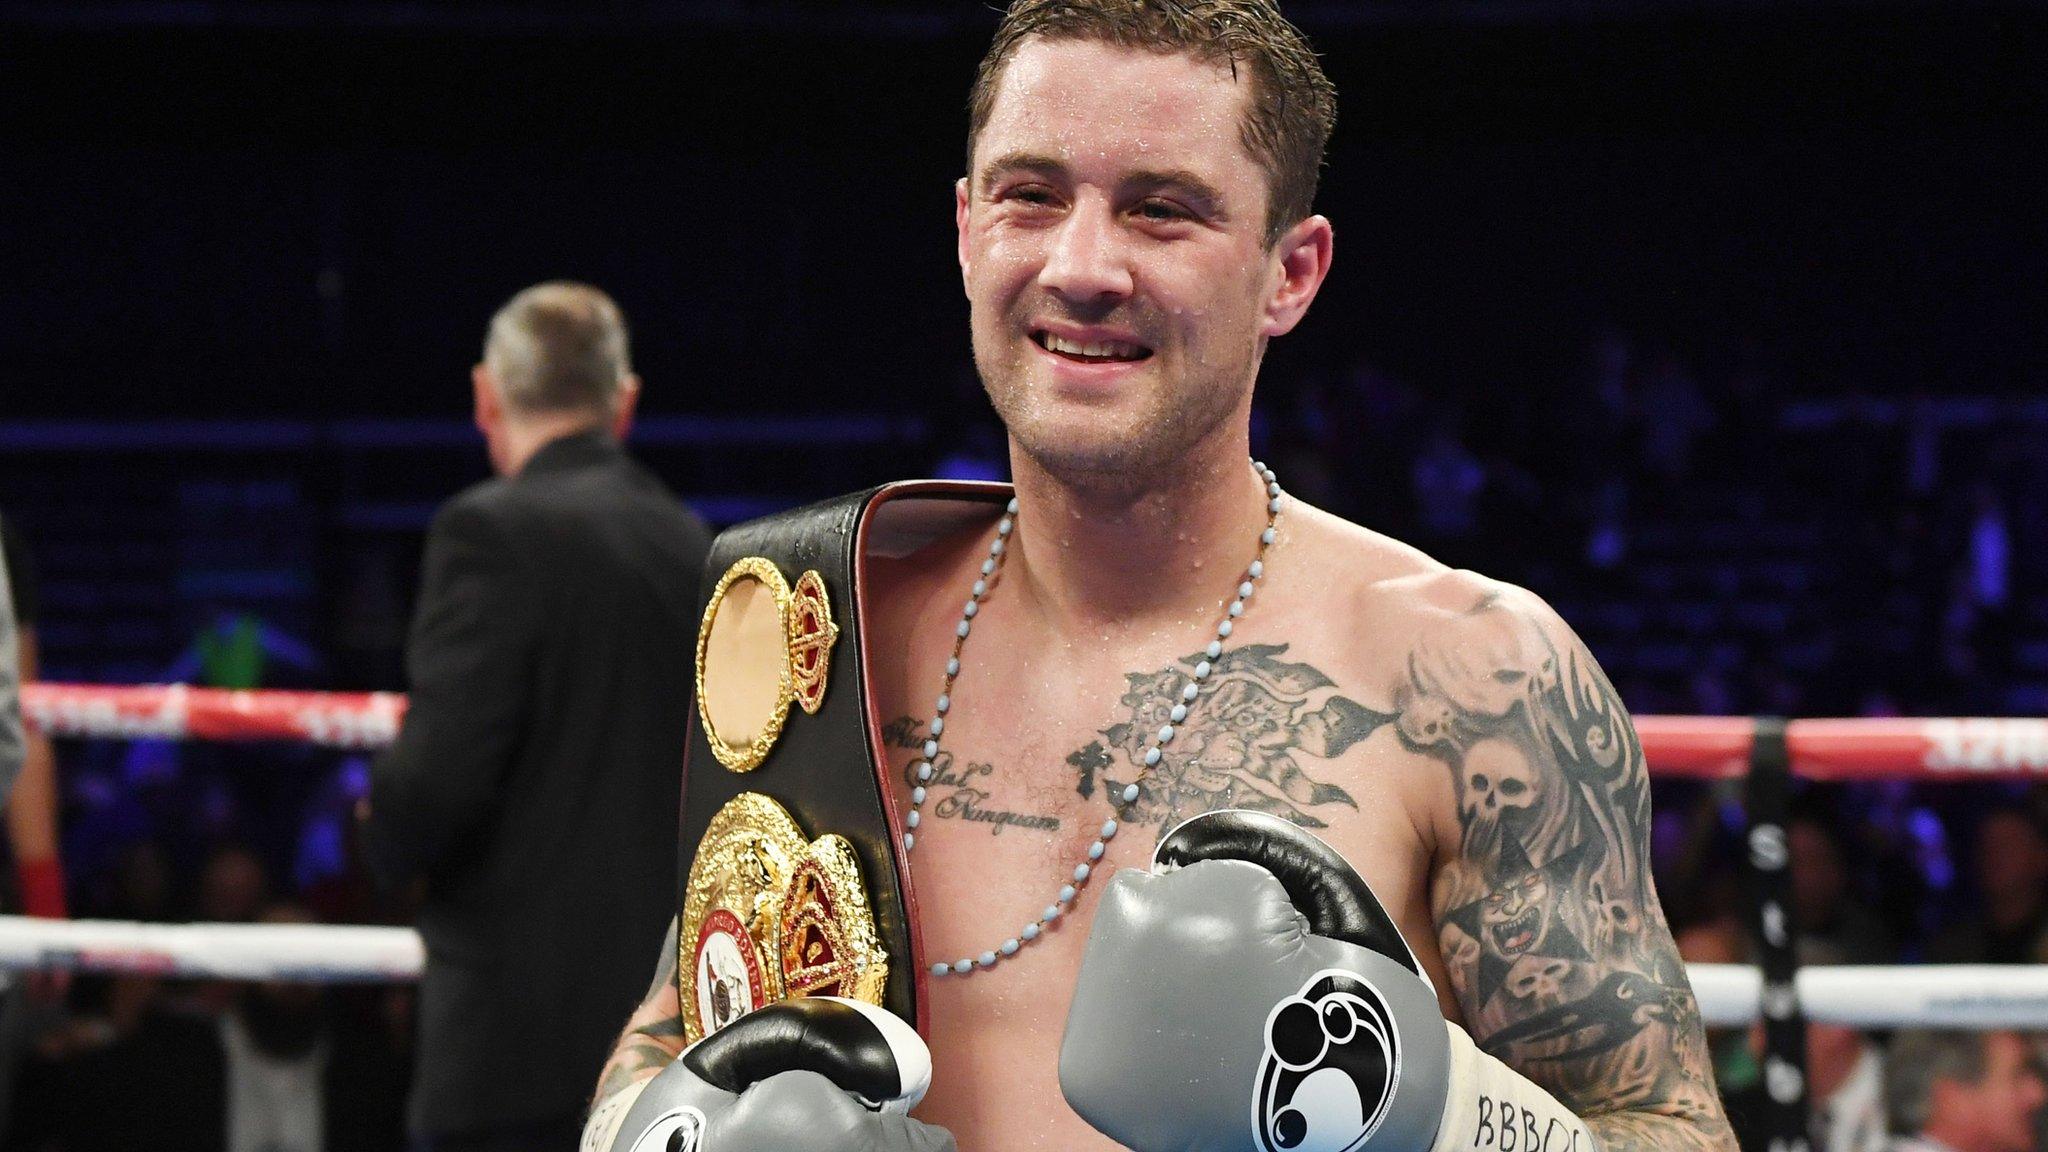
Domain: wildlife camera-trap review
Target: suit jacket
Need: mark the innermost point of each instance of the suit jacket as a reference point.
(536, 783)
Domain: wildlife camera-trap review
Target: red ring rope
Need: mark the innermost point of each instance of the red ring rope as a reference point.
(1699, 747)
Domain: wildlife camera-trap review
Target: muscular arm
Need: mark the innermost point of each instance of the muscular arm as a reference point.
(654, 1033)
(1556, 945)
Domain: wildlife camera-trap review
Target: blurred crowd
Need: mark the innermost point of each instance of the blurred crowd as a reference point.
(1912, 569)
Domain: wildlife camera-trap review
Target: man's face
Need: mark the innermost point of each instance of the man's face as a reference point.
(2000, 1108)
(1112, 246)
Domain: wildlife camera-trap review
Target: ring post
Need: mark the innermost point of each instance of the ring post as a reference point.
(1769, 804)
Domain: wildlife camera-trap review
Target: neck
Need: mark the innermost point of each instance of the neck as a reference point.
(530, 434)
(1117, 556)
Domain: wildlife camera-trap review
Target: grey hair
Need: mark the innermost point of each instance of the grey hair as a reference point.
(559, 347)
(1918, 1058)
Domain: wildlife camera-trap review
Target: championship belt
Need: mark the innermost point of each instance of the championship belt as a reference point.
(793, 882)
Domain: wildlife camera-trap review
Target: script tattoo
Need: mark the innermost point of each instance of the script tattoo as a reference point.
(1552, 933)
(1238, 746)
(959, 791)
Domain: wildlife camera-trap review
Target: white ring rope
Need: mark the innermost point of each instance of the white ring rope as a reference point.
(317, 953)
(1730, 995)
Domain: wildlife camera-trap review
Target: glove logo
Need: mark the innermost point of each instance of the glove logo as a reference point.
(677, 1130)
(1332, 1060)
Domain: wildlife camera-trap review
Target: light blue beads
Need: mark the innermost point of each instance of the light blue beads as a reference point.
(1178, 713)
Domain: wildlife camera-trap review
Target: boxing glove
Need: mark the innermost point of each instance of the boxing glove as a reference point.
(1250, 991)
(813, 1074)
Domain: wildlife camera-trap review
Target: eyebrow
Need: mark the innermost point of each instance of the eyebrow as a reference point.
(1176, 179)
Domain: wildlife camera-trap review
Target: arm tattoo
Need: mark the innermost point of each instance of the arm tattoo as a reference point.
(654, 1034)
(1550, 928)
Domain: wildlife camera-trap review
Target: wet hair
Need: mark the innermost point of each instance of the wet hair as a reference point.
(1292, 106)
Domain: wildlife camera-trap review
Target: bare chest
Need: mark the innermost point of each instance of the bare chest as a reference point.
(1032, 752)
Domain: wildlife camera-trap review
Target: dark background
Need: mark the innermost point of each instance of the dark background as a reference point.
(310, 209)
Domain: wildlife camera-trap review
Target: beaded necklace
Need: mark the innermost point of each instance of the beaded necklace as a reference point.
(1121, 801)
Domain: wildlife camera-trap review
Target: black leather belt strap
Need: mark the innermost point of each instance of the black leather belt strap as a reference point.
(824, 768)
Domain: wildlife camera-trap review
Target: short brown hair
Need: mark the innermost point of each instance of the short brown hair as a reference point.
(559, 347)
(1292, 108)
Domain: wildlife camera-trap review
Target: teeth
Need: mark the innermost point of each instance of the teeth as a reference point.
(1098, 350)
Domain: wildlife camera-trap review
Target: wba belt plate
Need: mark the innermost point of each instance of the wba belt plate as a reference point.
(793, 879)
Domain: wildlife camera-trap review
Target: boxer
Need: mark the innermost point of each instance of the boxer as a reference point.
(1156, 630)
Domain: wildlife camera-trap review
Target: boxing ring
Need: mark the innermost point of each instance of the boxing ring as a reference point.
(1766, 755)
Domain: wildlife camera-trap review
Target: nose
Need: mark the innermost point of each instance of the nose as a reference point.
(1087, 263)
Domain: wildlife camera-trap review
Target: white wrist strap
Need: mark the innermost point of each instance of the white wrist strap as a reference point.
(1493, 1108)
(603, 1126)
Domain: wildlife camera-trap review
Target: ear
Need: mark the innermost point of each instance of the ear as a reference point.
(960, 203)
(629, 398)
(489, 406)
(1301, 259)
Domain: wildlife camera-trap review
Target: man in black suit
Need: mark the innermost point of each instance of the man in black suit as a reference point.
(535, 786)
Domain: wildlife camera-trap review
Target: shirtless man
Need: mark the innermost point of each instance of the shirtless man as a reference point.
(1134, 227)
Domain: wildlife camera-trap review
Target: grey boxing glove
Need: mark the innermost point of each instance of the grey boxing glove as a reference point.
(813, 1074)
(1250, 992)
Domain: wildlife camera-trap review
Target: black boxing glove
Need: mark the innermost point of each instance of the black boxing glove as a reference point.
(813, 1073)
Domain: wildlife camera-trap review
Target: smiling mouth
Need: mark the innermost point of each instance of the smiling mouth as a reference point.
(1092, 351)
(1518, 935)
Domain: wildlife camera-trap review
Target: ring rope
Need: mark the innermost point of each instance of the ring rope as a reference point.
(1971, 996)
(1700, 747)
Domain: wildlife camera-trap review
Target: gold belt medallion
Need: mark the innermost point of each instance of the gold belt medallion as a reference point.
(762, 647)
(768, 915)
